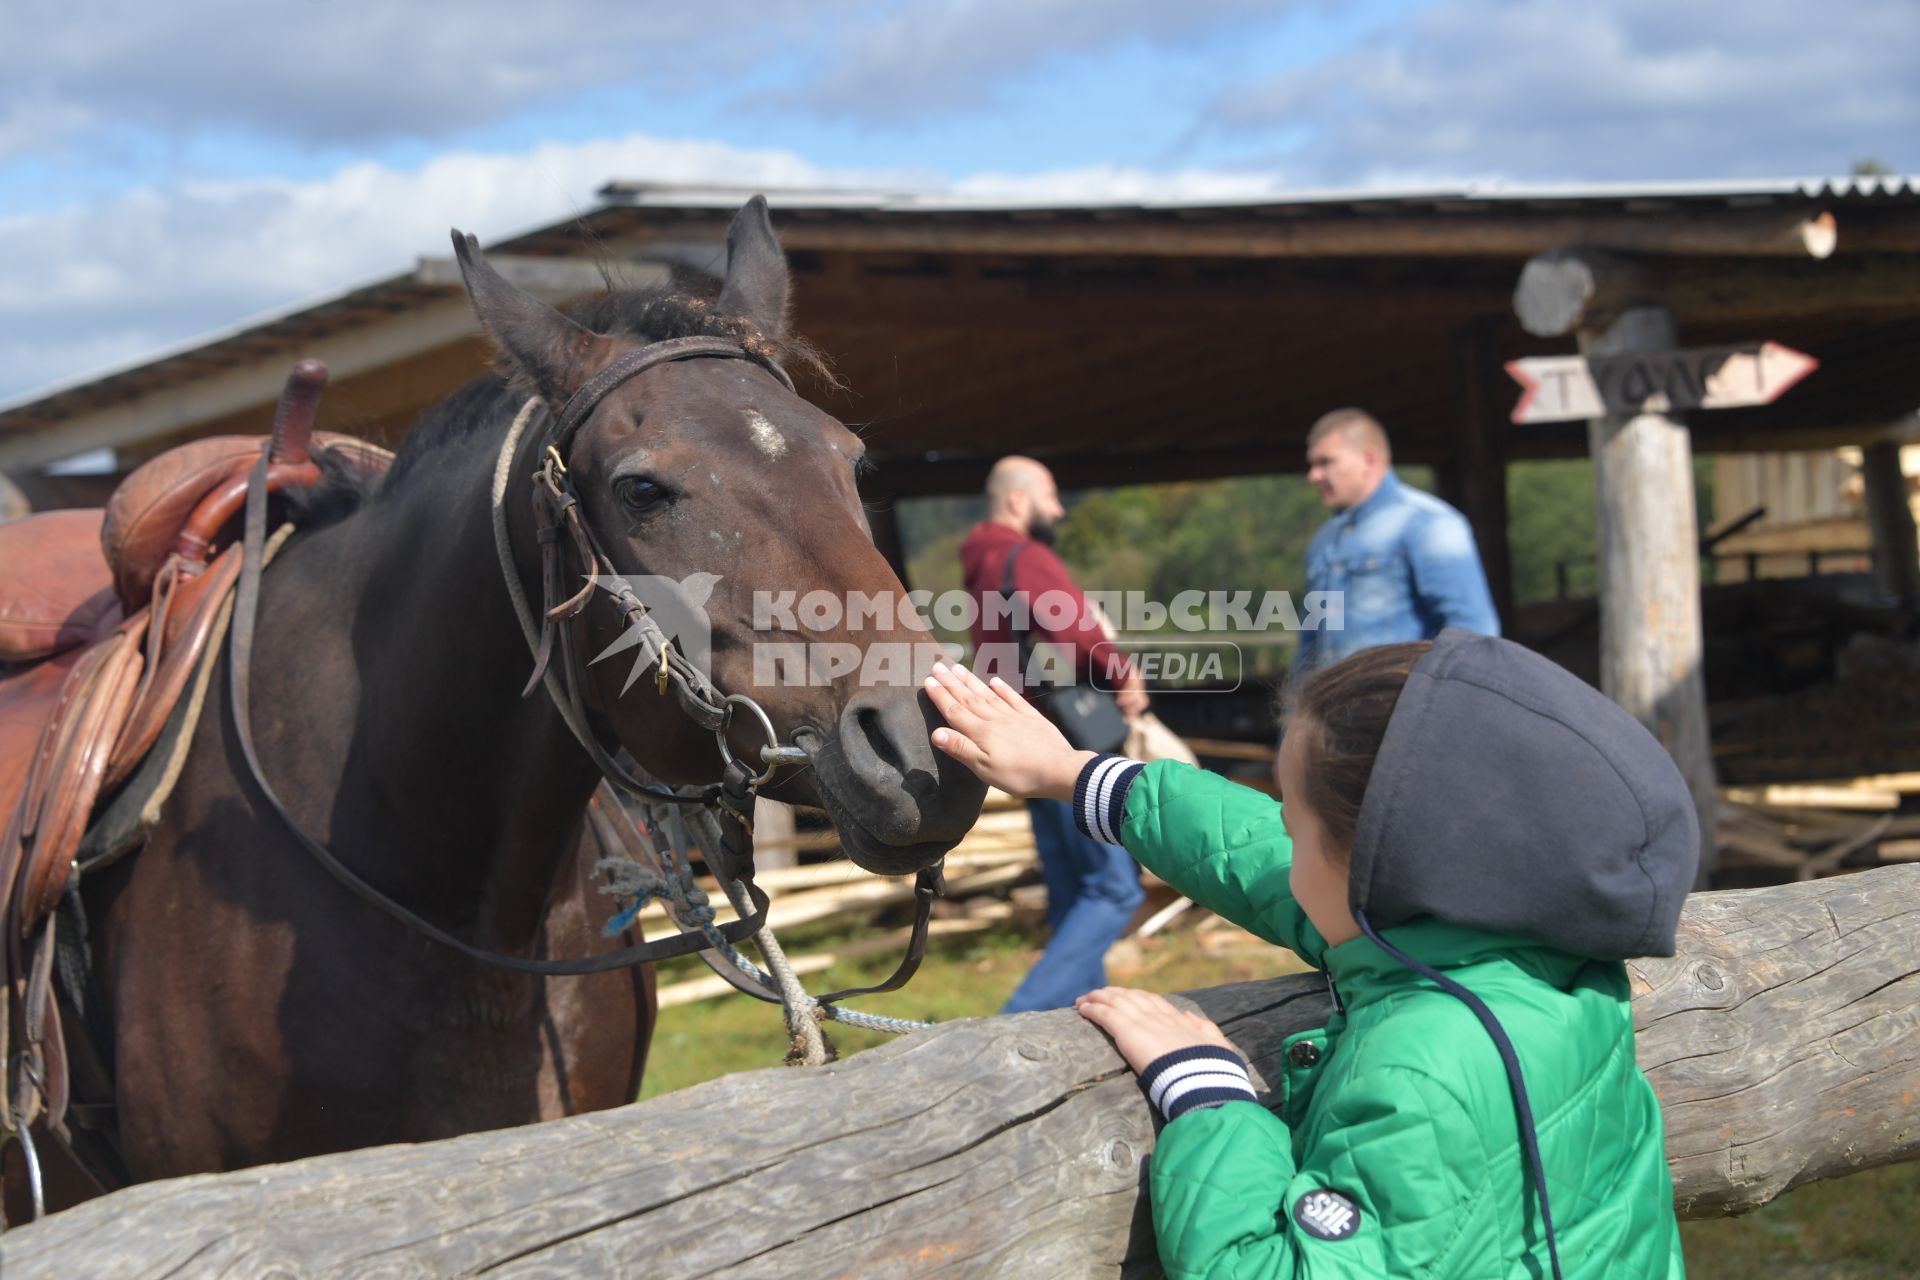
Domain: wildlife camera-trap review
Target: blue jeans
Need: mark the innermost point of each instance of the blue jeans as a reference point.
(1093, 890)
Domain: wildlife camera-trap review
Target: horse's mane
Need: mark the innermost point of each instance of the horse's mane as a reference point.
(484, 406)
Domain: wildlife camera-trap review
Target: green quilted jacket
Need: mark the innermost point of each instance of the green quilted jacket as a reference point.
(1392, 1147)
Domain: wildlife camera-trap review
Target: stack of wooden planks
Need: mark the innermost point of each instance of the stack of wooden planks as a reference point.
(1811, 829)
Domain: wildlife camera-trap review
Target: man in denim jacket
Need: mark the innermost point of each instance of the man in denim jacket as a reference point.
(1405, 561)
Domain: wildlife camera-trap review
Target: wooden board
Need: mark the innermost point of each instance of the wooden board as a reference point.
(1791, 795)
(1560, 388)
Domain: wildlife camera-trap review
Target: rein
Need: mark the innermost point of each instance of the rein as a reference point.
(240, 668)
(557, 516)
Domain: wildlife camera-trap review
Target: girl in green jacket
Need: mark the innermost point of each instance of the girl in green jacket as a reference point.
(1471, 843)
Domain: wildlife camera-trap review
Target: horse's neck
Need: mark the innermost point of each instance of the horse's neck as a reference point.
(466, 797)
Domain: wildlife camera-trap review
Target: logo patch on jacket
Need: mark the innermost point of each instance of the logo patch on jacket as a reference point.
(1326, 1215)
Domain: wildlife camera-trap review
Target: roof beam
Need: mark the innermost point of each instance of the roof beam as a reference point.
(169, 410)
(554, 279)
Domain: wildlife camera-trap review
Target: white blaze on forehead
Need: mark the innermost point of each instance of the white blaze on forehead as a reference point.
(766, 437)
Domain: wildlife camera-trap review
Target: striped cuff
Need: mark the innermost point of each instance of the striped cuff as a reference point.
(1195, 1078)
(1100, 796)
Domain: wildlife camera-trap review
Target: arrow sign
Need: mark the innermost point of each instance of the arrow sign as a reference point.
(1555, 388)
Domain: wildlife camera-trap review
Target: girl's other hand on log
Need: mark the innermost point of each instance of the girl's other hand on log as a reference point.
(1146, 1026)
(996, 733)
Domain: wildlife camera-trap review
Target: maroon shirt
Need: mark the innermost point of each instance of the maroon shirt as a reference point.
(983, 557)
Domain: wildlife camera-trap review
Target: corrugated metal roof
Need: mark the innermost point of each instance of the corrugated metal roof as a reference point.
(669, 196)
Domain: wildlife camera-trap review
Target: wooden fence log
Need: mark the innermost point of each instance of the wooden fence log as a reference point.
(1783, 1039)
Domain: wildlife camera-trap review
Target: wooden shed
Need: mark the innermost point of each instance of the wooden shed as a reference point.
(1128, 342)
(1174, 340)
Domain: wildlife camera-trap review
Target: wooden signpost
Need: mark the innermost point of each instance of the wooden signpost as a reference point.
(1556, 388)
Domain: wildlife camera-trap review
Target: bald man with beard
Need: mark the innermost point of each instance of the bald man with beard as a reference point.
(1093, 888)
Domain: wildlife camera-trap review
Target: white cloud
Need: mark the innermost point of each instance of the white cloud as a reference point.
(350, 71)
(1567, 89)
(933, 56)
(90, 286)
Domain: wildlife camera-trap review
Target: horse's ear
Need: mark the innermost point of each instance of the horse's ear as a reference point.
(756, 284)
(545, 352)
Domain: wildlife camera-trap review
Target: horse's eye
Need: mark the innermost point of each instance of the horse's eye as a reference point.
(641, 496)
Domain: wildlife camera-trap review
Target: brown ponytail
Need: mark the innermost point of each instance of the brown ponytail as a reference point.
(1341, 712)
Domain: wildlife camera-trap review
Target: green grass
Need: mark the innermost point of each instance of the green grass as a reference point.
(1864, 1227)
(961, 977)
(967, 976)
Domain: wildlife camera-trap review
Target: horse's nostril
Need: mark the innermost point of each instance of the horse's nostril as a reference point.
(873, 728)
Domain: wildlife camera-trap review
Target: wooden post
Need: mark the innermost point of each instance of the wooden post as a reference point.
(1649, 534)
(774, 841)
(1896, 548)
(1483, 467)
(1571, 289)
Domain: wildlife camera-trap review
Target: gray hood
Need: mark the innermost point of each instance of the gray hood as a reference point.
(1510, 795)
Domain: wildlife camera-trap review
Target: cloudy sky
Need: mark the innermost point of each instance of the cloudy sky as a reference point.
(167, 169)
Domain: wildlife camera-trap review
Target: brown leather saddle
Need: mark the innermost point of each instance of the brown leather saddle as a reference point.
(109, 623)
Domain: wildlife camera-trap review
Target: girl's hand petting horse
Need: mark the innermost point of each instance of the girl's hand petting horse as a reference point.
(1146, 1026)
(996, 733)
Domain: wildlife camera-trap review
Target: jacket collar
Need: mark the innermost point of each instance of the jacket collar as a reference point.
(1385, 494)
(1364, 972)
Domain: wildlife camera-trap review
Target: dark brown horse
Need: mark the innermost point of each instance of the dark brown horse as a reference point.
(258, 1011)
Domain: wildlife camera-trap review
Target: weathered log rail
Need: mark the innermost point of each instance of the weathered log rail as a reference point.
(1784, 1041)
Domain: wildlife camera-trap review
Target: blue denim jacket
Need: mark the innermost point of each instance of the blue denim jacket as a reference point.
(1407, 564)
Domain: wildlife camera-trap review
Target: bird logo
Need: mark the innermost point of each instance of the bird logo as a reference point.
(677, 607)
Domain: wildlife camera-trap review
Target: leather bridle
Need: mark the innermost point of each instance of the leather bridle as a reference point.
(559, 523)
(557, 516)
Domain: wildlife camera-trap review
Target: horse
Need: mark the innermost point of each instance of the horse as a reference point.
(259, 1012)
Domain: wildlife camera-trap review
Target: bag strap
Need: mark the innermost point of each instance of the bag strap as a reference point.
(1022, 636)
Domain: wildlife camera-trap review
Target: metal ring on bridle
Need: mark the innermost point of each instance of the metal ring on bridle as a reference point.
(732, 700)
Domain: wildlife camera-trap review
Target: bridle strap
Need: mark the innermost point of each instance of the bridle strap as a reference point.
(240, 667)
(581, 404)
(558, 510)
(929, 883)
(557, 513)
(540, 633)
